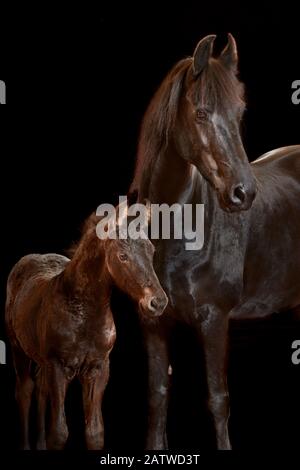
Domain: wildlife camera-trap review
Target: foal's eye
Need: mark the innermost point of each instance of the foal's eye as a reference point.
(201, 115)
(123, 257)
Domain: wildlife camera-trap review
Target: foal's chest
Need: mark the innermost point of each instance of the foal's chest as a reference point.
(85, 334)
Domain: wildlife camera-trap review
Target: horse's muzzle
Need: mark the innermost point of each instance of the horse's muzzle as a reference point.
(239, 198)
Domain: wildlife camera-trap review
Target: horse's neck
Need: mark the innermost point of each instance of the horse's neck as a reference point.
(174, 180)
(171, 179)
(87, 273)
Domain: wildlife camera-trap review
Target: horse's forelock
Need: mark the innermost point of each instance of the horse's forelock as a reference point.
(219, 86)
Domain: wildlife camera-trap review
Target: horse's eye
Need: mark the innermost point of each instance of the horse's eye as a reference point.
(201, 115)
(123, 257)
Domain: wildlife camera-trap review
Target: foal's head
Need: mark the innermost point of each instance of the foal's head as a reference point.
(130, 264)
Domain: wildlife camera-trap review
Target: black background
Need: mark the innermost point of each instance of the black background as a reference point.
(78, 82)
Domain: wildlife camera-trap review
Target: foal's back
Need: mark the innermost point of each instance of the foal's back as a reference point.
(26, 285)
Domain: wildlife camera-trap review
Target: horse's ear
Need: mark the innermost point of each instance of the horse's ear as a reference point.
(229, 55)
(203, 53)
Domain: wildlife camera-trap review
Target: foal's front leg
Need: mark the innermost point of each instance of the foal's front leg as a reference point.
(41, 396)
(24, 390)
(214, 335)
(57, 383)
(93, 385)
(156, 341)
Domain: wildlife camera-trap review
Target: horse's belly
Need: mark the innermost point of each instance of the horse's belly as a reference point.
(270, 291)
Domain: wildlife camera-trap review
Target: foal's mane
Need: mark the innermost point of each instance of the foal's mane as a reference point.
(88, 228)
(159, 120)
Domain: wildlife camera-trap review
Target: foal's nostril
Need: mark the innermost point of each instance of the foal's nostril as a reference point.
(157, 304)
(153, 304)
(238, 195)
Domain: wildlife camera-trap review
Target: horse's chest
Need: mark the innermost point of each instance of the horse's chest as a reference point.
(194, 279)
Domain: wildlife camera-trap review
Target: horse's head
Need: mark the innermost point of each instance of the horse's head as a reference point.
(208, 124)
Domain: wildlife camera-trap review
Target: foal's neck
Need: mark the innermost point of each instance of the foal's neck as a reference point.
(87, 273)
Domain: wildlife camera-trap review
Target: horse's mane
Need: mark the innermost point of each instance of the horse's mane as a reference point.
(159, 120)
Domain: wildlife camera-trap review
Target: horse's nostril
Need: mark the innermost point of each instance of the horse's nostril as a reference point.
(239, 194)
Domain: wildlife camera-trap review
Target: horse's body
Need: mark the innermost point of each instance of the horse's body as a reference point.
(58, 318)
(251, 268)
(249, 265)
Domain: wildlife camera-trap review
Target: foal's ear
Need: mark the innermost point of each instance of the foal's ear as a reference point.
(148, 206)
(203, 53)
(229, 55)
(122, 212)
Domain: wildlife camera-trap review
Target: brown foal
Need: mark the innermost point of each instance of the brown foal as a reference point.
(61, 326)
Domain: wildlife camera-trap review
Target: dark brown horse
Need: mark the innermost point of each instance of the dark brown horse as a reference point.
(191, 152)
(59, 320)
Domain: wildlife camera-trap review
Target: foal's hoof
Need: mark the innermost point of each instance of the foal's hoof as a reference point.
(95, 442)
(157, 444)
(41, 445)
(56, 444)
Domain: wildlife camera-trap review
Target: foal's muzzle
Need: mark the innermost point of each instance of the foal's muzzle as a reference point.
(153, 305)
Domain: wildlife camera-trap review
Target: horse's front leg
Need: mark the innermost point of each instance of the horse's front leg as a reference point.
(94, 383)
(57, 383)
(214, 335)
(156, 342)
